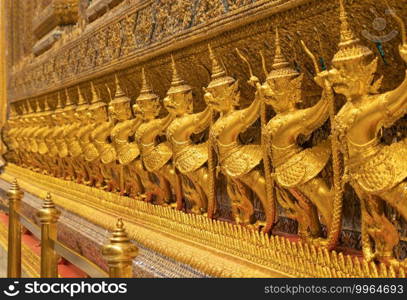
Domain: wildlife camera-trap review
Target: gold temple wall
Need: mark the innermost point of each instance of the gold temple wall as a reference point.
(250, 28)
(149, 32)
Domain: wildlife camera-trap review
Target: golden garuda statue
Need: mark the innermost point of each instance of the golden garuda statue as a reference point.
(91, 153)
(105, 160)
(69, 134)
(296, 170)
(9, 135)
(35, 123)
(37, 137)
(239, 163)
(88, 151)
(190, 159)
(136, 152)
(59, 140)
(156, 156)
(13, 134)
(42, 138)
(125, 126)
(23, 136)
(376, 171)
(22, 123)
(51, 144)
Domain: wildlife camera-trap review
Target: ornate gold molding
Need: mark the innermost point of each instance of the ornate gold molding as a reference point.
(153, 37)
(233, 251)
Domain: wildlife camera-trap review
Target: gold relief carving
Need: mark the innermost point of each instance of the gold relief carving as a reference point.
(91, 57)
(115, 42)
(208, 9)
(172, 17)
(144, 26)
(83, 49)
(129, 39)
(235, 4)
(102, 49)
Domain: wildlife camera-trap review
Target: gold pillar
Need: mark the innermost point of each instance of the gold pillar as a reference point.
(48, 216)
(14, 231)
(3, 79)
(120, 253)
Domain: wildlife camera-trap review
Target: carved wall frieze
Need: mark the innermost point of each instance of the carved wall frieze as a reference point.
(249, 38)
(192, 23)
(239, 251)
(314, 183)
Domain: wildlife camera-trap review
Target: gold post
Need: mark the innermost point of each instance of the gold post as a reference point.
(14, 231)
(48, 216)
(3, 80)
(120, 253)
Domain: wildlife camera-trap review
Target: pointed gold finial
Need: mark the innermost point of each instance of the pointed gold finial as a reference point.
(120, 96)
(177, 85)
(146, 92)
(96, 101)
(48, 203)
(23, 108)
(219, 76)
(69, 102)
(14, 185)
(217, 68)
(146, 88)
(70, 105)
(13, 112)
(95, 95)
(347, 35)
(119, 91)
(46, 105)
(281, 67)
(349, 45)
(48, 214)
(59, 103)
(15, 193)
(176, 80)
(120, 253)
(81, 99)
(279, 60)
(36, 107)
(30, 110)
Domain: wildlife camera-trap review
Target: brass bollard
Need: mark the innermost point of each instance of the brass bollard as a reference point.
(48, 216)
(15, 194)
(120, 253)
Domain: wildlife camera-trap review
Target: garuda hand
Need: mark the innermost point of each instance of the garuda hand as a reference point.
(403, 52)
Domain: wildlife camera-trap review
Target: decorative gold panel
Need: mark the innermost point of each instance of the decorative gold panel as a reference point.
(236, 123)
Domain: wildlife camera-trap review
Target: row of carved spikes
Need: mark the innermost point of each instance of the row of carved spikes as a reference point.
(275, 252)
